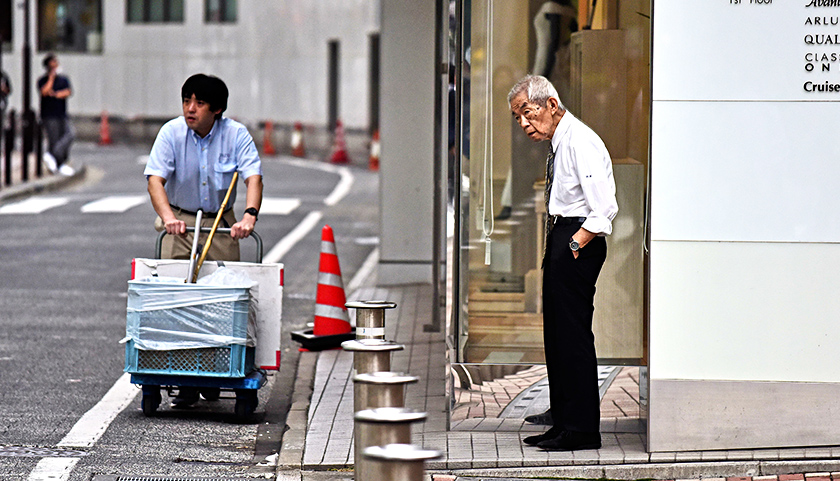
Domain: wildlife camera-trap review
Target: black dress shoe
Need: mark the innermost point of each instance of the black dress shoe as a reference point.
(572, 441)
(187, 396)
(542, 418)
(536, 439)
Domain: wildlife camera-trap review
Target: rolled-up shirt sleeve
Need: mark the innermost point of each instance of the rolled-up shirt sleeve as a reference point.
(247, 158)
(162, 156)
(598, 185)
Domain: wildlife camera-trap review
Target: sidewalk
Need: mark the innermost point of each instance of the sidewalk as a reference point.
(318, 444)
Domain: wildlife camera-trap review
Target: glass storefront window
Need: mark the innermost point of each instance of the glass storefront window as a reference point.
(599, 61)
(70, 26)
(6, 24)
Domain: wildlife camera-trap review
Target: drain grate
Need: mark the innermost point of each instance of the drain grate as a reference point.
(34, 452)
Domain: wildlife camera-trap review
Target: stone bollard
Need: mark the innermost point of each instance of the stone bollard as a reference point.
(380, 427)
(380, 390)
(370, 318)
(398, 462)
(371, 355)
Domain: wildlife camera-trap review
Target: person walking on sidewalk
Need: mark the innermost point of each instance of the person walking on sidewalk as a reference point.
(580, 206)
(190, 168)
(55, 89)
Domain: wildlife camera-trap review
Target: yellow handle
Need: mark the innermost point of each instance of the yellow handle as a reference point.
(213, 230)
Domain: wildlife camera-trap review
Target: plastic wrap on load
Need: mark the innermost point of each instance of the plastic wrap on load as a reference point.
(165, 313)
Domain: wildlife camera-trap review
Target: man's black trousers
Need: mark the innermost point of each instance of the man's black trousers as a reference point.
(568, 296)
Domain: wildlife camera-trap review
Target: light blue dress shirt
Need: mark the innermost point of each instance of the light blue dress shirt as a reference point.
(198, 171)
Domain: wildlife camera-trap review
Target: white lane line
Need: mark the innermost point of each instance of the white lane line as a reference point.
(299, 232)
(33, 205)
(114, 203)
(362, 274)
(93, 424)
(87, 430)
(341, 189)
(278, 206)
(53, 469)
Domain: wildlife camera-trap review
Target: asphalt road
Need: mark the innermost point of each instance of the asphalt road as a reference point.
(63, 276)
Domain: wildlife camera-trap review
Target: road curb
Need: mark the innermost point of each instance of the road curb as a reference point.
(44, 184)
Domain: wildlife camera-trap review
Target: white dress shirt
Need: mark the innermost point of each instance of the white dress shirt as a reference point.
(583, 176)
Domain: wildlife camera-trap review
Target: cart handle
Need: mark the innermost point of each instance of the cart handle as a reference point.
(257, 239)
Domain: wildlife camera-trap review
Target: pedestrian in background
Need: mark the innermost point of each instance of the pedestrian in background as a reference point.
(190, 168)
(580, 206)
(5, 90)
(55, 89)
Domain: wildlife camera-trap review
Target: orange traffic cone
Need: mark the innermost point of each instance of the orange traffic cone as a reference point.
(339, 155)
(104, 130)
(374, 152)
(332, 323)
(298, 149)
(268, 147)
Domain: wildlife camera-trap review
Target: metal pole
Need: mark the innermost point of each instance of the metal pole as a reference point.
(380, 390)
(380, 427)
(28, 117)
(439, 152)
(398, 462)
(371, 355)
(370, 318)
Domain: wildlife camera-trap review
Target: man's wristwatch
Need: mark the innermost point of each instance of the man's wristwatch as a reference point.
(253, 212)
(573, 244)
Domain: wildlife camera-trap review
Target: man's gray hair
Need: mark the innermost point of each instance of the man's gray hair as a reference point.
(537, 88)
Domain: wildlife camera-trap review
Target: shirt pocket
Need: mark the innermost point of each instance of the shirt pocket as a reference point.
(225, 168)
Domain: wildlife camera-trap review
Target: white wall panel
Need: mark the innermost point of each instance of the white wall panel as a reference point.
(745, 171)
(745, 311)
(708, 50)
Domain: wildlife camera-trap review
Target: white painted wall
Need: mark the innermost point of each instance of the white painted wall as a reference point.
(274, 60)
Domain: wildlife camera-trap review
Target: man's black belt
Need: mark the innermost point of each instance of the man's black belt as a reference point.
(559, 219)
(205, 214)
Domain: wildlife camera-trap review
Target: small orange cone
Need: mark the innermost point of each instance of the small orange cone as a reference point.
(104, 130)
(339, 155)
(330, 313)
(298, 150)
(268, 147)
(374, 152)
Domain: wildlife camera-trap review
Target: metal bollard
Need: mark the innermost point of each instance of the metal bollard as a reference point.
(371, 355)
(398, 462)
(380, 427)
(370, 318)
(380, 390)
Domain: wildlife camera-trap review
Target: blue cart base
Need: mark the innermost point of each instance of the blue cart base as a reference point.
(245, 389)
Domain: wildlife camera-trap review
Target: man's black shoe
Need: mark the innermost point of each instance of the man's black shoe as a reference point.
(536, 439)
(542, 418)
(187, 396)
(572, 441)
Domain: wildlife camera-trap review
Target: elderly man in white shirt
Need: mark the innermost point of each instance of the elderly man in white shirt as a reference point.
(580, 205)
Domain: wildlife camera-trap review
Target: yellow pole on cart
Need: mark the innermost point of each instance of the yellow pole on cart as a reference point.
(213, 229)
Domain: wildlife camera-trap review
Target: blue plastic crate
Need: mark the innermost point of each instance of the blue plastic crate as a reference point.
(231, 361)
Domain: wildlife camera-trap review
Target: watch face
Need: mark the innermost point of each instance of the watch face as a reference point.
(574, 245)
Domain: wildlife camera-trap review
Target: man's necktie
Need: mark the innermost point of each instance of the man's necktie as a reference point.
(549, 179)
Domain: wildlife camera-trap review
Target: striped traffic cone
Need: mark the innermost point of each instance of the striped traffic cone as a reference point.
(330, 314)
(332, 323)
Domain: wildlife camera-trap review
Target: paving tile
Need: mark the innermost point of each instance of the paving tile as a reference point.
(739, 455)
(791, 477)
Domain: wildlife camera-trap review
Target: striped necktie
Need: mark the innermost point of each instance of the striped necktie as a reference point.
(549, 179)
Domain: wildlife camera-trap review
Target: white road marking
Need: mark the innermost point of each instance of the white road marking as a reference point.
(87, 430)
(33, 205)
(53, 469)
(278, 206)
(341, 189)
(114, 203)
(93, 424)
(142, 159)
(362, 274)
(299, 232)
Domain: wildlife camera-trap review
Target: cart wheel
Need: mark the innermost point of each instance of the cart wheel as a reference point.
(246, 402)
(151, 399)
(210, 393)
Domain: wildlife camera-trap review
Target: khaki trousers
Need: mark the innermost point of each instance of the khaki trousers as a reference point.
(223, 248)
